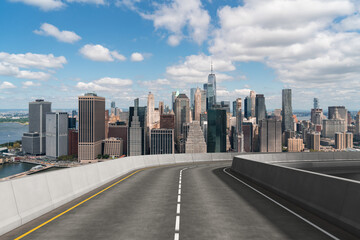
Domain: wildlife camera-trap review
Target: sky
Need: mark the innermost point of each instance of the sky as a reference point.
(122, 49)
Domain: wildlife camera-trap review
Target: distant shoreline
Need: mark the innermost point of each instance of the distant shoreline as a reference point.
(25, 123)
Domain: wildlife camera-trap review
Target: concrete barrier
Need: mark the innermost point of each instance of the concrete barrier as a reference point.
(335, 199)
(27, 198)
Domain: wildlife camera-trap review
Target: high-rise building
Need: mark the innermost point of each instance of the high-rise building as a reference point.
(173, 97)
(349, 138)
(150, 111)
(182, 115)
(56, 134)
(253, 103)
(137, 134)
(197, 105)
(260, 108)
(119, 130)
(107, 119)
(203, 101)
(73, 142)
(247, 107)
(270, 135)
(248, 134)
(316, 103)
(162, 141)
(161, 108)
(211, 89)
(216, 134)
(314, 139)
(287, 115)
(357, 124)
(238, 137)
(317, 116)
(287, 134)
(234, 108)
(112, 104)
(72, 123)
(192, 97)
(35, 142)
(295, 145)
(167, 121)
(73, 113)
(339, 141)
(338, 112)
(195, 142)
(225, 105)
(331, 126)
(113, 147)
(91, 127)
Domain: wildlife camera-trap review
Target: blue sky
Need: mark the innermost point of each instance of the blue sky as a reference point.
(122, 49)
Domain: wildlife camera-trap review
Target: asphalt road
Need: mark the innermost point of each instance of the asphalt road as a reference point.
(212, 205)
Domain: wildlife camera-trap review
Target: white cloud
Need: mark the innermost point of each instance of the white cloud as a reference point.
(100, 53)
(105, 84)
(27, 84)
(296, 40)
(236, 93)
(12, 64)
(196, 68)
(49, 5)
(45, 5)
(47, 29)
(137, 57)
(179, 17)
(7, 85)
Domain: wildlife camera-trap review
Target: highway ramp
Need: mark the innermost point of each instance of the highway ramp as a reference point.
(146, 205)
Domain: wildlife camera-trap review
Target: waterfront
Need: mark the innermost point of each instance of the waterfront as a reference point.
(11, 132)
(9, 169)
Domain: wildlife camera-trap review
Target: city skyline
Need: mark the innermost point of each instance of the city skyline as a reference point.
(314, 55)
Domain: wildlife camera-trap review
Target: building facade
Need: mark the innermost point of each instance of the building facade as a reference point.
(57, 134)
(195, 141)
(182, 115)
(295, 145)
(119, 130)
(260, 108)
(113, 147)
(270, 135)
(162, 141)
(197, 104)
(91, 127)
(287, 115)
(216, 134)
(137, 143)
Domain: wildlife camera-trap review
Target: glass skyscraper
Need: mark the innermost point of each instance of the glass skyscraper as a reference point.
(216, 135)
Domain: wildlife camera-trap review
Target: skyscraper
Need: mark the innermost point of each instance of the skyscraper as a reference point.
(216, 134)
(182, 115)
(91, 126)
(260, 108)
(211, 90)
(173, 97)
(137, 125)
(253, 104)
(270, 135)
(161, 108)
(316, 103)
(150, 111)
(287, 115)
(192, 97)
(238, 140)
(203, 101)
(162, 141)
(357, 124)
(197, 104)
(247, 107)
(56, 134)
(34, 142)
(195, 142)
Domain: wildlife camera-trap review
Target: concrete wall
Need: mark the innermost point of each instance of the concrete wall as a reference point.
(335, 199)
(24, 199)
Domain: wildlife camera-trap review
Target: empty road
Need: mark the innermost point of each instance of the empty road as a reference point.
(198, 201)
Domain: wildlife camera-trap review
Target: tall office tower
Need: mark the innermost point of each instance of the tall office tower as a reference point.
(162, 141)
(317, 116)
(107, 119)
(119, 130)
(73, 113)
(113, 147)
(56, 134)
(270, 135)
(203, 101)
(253, 103)
(73, 142)
(195, 142)
(225, 105)
(287, 115)
(295, 145)
(192, 97)
(357, 124)
(316, 103)
(234, 108)
(72, 123)
(173, 97)
(112, 104)
(113, 108)
(338, 112)
(216, 134)
(260, 108)
(91, 126)
(239, 143)
(137, 134)
(248, 134)
(167, 121)
(182, 110)
(34, 142)
(211, 89)
(161, 108)
(314, 139)
(349, 138)
(339, 141)
(197, 105)
(150, 111)
(247, 107)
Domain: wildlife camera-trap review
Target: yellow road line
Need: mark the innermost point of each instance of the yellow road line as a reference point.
(68, 210)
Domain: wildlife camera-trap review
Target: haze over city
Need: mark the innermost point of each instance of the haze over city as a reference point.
(59, 49)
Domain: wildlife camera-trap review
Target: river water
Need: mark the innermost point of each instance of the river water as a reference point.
(9, 169)
(11, 132)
